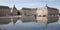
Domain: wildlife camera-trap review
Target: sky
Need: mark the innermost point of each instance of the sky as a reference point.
(30, 3)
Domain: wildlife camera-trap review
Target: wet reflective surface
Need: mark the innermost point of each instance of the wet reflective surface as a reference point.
(17, 24)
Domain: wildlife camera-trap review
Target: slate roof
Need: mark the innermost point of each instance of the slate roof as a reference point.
(6, 7)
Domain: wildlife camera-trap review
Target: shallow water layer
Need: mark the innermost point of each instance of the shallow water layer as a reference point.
(19, 25)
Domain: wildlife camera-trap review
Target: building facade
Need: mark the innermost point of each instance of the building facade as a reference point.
(14, 11)
(28, 13)
(5, 11)
(47, 14)
(59, 14)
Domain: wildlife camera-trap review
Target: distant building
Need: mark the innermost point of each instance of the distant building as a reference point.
(59, 11)
(28, 13)
(14, 11)
(47, 14)
(5, 11)
(59, 14)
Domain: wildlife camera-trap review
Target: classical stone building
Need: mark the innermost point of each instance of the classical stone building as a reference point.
(5, 11)
(47, 14)
(28, 13)
(14, 11)
(59, 15)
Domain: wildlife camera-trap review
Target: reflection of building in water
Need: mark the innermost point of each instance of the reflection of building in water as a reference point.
(6, 11)
(8, 20)
(5, 20)
(45, 14)
(28, 13)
